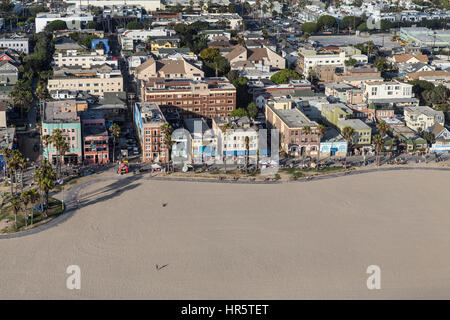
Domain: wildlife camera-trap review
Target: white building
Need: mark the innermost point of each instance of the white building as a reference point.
(73, 58)
(309, 59)
(378, 91)
(148, 5)
(15, 43)
(74, 21)
(128, 38)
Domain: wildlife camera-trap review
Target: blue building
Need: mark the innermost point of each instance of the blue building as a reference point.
(333, 144)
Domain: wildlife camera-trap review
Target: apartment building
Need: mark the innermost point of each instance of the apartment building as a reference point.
(15, 43)
(388, 92)
(148, 120)
(148, 5)
(264, 59)
(74, 21)
(96, 81)
(128, 38)
(422, 117)
(210, 97)
(62, 115)
(231, 133)
(9, 73)
(299, 136)
(83, 59)
(95, 138)
(168, 69)
(165, 42)
(203, 140)
(309, 59)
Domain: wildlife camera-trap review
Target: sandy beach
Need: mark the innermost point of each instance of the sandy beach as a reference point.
(294, 240)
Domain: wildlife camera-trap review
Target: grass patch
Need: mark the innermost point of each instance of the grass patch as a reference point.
(54, 209)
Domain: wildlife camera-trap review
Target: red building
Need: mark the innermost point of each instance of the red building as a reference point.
(95, 142)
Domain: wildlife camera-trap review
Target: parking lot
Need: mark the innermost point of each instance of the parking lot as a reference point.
(381, 39)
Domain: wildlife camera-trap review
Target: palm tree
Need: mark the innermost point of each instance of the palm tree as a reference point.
(61, 146)
(25, 197)
(322, 130)
(247, 150)
(348, 133)
(45, 178)
(378, 142)
(15, 204)
(166, 132)
(115, 132)
(34, 195)
(45, 142)
(382, 128)
(6, 153)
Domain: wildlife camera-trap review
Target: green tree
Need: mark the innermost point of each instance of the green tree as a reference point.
(362, 27)
(247, 152)
(348, 133)
(115, 132)
(92, 25)
(284, 76)
(45, 181)
(350, 22)
(166, 132)
(310, 27)
(56, 25)
(16, 204)
(350, 62)
(209, 54)
(378, 143)
(326, 22)
(239, 112)
(382, 128)
(322, 131)
(252, 110)
(134, 25)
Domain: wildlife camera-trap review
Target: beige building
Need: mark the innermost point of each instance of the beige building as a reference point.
(95, 81)
(422, 117)
(168, 69)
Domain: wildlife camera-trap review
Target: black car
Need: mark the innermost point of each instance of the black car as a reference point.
(36, 148)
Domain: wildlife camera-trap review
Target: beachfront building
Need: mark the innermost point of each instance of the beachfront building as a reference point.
(203, 141)
(148, 120)
(210, 97)
(62, 115)
(96, 81)
(231, 133)
(422, 117)
(299, 136)
(442, 138)
(95, 139)
(333, 144)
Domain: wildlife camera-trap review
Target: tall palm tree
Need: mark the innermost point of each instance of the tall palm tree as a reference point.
(348, 133)
(378, 142)
(247, 150)
(382, 128)
(34, 196)
(322, 131)
(45, 179)
(6, 153)
(166, 132)
(115, 132)
(16, 205)
(61, 146)
(25, 197)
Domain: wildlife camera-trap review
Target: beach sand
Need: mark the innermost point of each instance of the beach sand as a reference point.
(295, 240)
